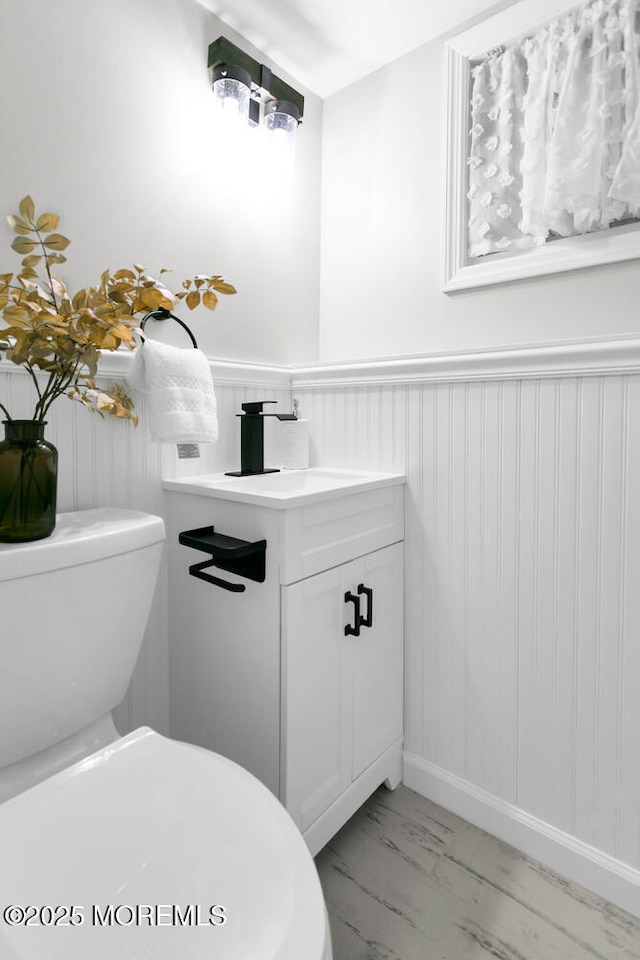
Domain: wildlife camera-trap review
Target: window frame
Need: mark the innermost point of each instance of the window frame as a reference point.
(569, 253)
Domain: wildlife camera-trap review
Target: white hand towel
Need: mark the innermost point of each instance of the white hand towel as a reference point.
(181, 401)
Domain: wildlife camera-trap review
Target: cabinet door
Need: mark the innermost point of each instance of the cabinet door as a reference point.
(378, 658)
(316, 731)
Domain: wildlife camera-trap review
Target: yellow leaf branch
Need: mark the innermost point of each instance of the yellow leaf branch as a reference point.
(50, 331)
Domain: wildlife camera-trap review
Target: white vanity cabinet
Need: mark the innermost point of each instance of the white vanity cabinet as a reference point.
(342, 703)
(286, 678)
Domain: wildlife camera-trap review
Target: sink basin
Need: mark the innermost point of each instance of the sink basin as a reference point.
(286, 489)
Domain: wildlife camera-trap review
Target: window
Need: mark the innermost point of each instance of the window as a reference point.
(516, 179)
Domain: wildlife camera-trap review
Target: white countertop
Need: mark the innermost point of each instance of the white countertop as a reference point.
(286, 488)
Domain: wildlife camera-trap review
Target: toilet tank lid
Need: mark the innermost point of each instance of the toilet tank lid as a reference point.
(81, 537)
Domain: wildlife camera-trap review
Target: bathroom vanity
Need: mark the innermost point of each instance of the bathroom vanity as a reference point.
(299, 677)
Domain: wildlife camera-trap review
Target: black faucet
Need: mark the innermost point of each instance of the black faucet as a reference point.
(252, 438)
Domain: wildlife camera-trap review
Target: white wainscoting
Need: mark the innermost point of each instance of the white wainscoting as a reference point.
(522, 589)
(522, 572)
(111, 463)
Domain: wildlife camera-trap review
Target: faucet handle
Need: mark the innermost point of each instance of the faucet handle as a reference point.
(255, 407)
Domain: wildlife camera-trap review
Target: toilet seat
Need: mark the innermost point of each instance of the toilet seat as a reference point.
(152, 823)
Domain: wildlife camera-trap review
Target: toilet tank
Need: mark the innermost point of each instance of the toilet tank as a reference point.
(73, 611)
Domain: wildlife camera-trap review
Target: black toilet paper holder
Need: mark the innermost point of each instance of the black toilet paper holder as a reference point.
(241, 557)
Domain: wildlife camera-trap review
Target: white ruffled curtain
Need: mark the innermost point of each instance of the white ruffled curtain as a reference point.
(555, 131)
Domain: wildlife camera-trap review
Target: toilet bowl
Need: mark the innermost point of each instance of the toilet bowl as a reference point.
(125, 847)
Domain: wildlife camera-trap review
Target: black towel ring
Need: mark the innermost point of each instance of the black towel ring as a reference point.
(162, 314)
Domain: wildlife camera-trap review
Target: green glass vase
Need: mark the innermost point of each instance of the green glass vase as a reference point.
(28, 482)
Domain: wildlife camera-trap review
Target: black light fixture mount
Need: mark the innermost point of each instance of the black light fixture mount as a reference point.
(270, 97)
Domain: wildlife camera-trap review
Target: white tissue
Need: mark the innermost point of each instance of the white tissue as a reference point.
(294, 444)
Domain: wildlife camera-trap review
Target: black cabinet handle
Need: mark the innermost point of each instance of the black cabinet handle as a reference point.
(368, 592)
(353, 629)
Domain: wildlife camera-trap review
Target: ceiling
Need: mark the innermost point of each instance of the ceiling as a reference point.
(328, 44)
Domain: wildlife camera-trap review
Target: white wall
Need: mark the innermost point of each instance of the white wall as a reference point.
(382, 209)
(521, 609)
(521, 605)
(107, 120)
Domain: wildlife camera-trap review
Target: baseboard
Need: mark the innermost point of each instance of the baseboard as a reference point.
(599, 872)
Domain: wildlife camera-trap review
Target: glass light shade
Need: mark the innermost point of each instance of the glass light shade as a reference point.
(232, 91)
(281, 119)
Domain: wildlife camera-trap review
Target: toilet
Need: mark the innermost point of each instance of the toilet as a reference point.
(125, 847)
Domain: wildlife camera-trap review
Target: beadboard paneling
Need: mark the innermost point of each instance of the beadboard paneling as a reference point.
(522, 604)
(522, 564)
(111, 463)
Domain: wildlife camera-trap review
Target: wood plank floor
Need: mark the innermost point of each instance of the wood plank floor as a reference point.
(407, 880)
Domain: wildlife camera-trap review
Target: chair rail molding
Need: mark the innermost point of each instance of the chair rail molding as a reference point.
(592, 357)
(568, 358)
(233, 372)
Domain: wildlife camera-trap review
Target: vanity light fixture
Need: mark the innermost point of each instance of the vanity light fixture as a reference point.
(281, 117)
(245, 87)
(232, 89)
